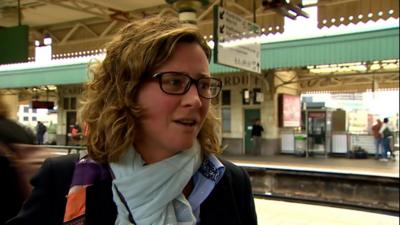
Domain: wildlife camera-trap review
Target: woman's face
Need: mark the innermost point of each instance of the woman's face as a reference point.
(171, 123)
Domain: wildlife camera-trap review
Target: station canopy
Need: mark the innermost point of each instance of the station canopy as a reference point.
(85, 25)
(338, 12)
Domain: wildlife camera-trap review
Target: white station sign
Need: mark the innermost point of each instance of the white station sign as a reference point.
(235, 44)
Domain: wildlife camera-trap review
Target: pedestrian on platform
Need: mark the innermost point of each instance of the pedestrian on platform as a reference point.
(40, 131)
(387, 133)
(76, 134)
(378, 138)
(256, 131)
(152, 142)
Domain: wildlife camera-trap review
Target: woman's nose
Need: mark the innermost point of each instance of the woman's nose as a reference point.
(192, 97)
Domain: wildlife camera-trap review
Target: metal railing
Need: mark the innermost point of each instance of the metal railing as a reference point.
(69, 148)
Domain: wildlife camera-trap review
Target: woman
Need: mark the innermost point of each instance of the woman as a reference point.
(151, 144)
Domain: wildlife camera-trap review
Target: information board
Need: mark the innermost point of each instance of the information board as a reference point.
(233, 45)
(14, 44)
(289, 108)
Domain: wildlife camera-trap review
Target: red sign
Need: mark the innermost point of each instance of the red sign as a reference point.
(42, 105)
(317, 115)
(290, 110)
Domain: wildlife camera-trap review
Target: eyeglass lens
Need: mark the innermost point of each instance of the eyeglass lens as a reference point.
(178, 83)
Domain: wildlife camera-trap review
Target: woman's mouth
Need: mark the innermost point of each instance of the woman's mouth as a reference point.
(186, 122)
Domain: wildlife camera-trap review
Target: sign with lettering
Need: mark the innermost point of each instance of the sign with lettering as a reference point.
(231, 80)
(234, 42)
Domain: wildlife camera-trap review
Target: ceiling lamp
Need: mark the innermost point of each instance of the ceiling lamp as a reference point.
(187, 9)
(284, 8)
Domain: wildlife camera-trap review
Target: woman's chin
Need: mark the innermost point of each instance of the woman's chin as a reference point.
(182, 145)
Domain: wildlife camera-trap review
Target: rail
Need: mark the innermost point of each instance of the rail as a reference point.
(68, 148)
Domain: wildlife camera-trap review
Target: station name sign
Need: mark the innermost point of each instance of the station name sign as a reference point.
(235, 44)
(231, 80)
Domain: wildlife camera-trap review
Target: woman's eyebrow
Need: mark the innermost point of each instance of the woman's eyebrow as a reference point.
(202, 75)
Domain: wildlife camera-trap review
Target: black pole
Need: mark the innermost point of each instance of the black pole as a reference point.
(19, 13)
(254, 11)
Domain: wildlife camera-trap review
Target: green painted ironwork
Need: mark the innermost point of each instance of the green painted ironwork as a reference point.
(55, 75)
(356, 47)
(348, 48)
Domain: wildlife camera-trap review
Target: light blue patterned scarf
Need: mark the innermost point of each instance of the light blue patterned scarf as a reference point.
(154, 192)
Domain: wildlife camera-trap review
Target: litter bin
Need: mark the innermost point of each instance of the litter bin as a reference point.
(300, 144)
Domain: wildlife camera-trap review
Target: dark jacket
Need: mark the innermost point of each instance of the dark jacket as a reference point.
(12, 189)
(11, 195)
(230, 203)
(11, 132)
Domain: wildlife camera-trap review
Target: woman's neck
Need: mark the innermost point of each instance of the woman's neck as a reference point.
(152, 155)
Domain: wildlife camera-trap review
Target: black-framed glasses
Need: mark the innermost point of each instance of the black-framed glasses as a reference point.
(178, 83)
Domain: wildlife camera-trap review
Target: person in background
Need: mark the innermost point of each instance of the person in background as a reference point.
(378, 138)
(40, 131)
(152, 141)
(13, 190)
(256, 131)
(11, 131)
(76, 134)
(387, 133)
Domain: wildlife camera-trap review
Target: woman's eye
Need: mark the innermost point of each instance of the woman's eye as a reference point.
(204, 84)
(175, 82)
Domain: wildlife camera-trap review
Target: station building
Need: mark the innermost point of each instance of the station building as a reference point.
(289, 69)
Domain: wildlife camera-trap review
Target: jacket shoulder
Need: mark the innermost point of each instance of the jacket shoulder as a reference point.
(62, 164)
(50, 186)
(64, 167)
(231, 201)
(233, 171)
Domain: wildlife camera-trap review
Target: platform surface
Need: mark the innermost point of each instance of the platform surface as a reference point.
(369, 167)
(271, 212)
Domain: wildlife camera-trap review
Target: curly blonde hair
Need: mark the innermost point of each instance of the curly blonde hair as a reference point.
(109, 104)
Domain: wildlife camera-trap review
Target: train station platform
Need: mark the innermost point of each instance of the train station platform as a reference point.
(277, 212)
(271, 212)
(338, 165)
(359, 184)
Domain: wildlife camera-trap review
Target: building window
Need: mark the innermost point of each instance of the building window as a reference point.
(226, 97)
(226, 120)
(73, 103)
(26, 118)
(258, 96)
(66, 103)
(69, 103)
(246, 96)
(34, 111)
(26, 109)
(34, 118)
